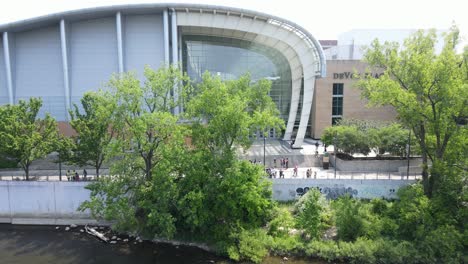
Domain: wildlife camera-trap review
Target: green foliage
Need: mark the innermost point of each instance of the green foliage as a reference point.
(427, 90)
(6, 162)
(360, 136)
(412, 212)
(349, 223)
(310, 209)
(93, 128)
(348, 139)
(442, 245)
(23, 136)
(228, 112)
(281, 223)
(143, 122)
(252, 245)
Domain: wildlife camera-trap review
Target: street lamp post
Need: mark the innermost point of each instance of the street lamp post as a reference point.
(334, 150)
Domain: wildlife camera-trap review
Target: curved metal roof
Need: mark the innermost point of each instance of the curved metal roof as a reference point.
(95, 12)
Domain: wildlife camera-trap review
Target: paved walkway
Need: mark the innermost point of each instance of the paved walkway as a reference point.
(317, 173)
(272, 149)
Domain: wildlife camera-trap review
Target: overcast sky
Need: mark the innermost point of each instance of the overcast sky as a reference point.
(325, 19)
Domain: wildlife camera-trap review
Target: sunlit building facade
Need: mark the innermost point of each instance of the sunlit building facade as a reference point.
(61, 56)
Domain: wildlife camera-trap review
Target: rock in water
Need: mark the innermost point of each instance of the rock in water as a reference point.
(114, 237)
(113, 242)
(57, 228)
(73, 226)
(67, 228)
(125, 240)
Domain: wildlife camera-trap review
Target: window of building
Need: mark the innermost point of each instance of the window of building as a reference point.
(335, 120)
(337, 103)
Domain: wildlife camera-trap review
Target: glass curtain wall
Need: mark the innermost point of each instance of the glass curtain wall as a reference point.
(231, 58)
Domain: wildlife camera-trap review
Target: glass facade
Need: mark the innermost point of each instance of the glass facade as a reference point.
(337, 103)
(231, 58)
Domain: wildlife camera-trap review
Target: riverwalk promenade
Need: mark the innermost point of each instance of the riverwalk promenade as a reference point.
(271, 151)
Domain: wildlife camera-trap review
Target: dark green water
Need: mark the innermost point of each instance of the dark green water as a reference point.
(45, 245)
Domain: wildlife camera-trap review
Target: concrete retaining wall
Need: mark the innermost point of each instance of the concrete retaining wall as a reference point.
(43, 202)
(290, 189)
(374, 165)
(56, 203)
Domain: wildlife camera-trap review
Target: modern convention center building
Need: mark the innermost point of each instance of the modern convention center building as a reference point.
(61, 56)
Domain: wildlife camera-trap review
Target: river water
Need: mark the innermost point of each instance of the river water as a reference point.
(45, 245)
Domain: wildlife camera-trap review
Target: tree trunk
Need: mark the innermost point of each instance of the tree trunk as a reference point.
(26, 171)
(97, 166)
(148, 165)
(425, 176)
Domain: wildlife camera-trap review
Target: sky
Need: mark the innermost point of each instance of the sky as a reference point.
(324, 19)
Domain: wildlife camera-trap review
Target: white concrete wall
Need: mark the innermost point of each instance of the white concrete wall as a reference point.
(43, 202)
(374, 165)
(290, 189)
(55, 203)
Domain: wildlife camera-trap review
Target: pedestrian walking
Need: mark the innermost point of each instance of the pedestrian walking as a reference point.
(295, 171)
(287, 163)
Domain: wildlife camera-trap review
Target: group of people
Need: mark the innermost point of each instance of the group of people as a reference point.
(309, 173)
(74, 176)
(272, 172)
(284, 162)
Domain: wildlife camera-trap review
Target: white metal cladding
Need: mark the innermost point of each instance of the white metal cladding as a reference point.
(65, 66)
(9, 58)
(3, 82)
(93, 55)
(38, 68)
(118, 27)
(303, 57)
(143, 40)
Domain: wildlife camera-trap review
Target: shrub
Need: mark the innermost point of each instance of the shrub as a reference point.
(442, 245)
(281, 223)
(412, 212)
(251, 245)
(349, 223)
(310, 208)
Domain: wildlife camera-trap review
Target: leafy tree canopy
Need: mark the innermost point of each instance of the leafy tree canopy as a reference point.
(427, 89)
(23, 135)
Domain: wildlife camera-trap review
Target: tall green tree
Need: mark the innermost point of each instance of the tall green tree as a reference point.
(23, 135)
(227, 113)
(429, 91)
(93, 127)
(143, 119)
(220, 195)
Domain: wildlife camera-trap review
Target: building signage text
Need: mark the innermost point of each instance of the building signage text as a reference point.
(352, 75)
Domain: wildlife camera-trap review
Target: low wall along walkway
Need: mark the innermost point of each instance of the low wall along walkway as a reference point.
(290, 189)
(56, 203)
(49, 203)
